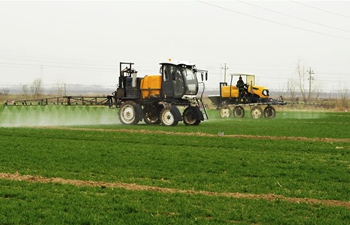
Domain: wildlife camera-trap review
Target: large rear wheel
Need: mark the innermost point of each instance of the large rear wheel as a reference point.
(167, 117)
(256, 112)
(238, 112)
(127, 113)
(190, 116)
(269, 112)
(225, 112)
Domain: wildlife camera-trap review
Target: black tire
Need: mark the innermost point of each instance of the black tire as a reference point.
(151, 114)
(167, 118)
(225, 112)
(127, 113)
(269, 112)
(238, 112)
(190, 116)
(256, 112)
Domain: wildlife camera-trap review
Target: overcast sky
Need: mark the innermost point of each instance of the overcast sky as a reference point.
(83, 42)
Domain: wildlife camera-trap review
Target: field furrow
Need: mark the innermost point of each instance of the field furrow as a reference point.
(136, 187)
(264, 137)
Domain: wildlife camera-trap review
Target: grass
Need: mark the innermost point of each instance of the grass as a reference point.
(312, 168)
(64, 204)
(199, 163)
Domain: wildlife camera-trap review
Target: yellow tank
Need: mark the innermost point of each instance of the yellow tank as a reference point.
(151, 86)
(225, 92)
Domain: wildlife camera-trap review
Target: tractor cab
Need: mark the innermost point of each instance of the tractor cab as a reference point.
(178, 79)
(255, 92)
(249, 79)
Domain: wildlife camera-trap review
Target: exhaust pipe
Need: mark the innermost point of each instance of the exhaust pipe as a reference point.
(134, 77)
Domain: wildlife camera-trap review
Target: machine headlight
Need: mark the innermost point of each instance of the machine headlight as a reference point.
(265, 92)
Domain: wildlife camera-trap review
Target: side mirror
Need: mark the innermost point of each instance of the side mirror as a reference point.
(202, 76)
(206, 75)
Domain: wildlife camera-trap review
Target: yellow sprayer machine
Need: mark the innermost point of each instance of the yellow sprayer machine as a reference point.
(155, 98)
(252, 95)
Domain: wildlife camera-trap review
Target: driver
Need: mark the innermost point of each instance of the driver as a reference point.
(241, 87)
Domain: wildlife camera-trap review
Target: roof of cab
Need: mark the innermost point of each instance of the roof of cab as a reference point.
(177, 63)
(241, 74)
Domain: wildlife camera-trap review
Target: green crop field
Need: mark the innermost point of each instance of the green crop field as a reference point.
(79, 165)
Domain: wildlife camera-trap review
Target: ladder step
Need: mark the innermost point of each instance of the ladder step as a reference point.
(200, 103)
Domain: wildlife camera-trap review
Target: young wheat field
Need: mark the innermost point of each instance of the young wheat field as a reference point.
(79, 165)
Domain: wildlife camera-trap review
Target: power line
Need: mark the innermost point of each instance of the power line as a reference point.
(22, 61)
(105, 69)
(294, 17)
(271, 21)
(323, 10)
(46, 61)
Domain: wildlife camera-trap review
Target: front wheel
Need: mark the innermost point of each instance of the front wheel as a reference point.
(167, 117)
(190, 116)
(127, 113)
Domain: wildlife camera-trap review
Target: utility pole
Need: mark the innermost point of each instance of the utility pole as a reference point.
(225, 69)
(310, 80)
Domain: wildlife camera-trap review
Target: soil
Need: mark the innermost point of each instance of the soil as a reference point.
(330, 140)
(136, 187)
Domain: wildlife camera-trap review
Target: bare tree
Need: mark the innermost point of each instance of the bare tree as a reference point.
(291, 88)
(36, 87)
(300, 69)
(343, 97)
(304, 77)
(60, 87)
(25, 90)
(5, 91)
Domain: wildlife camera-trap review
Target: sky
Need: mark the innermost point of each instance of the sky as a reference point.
(82, 42)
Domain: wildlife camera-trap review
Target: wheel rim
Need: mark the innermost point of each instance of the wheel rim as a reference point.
(151, 114)
(168, 118)
(127, 114)
(225, 112)
(256, 112)
(151, 118)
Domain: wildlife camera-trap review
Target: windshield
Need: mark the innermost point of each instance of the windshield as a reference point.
(179, 79)
(190, 81)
